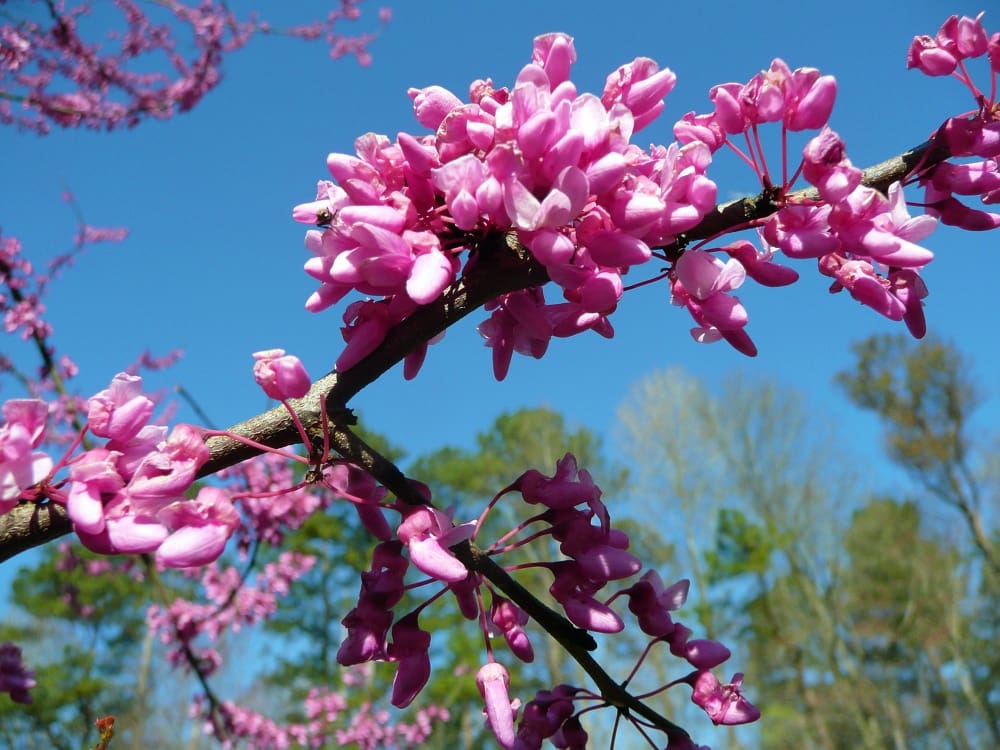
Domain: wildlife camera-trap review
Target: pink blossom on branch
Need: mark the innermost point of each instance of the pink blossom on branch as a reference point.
(724, 704)
(554, 166)
(282, 376)
(21, 466)
(493, 682)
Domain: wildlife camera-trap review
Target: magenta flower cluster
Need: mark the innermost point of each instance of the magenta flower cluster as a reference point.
(552, 165)
(974, 134)
(402, 219)
(129, 495)
(594, 554)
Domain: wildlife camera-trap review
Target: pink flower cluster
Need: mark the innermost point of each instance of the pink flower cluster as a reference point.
(270, 500)
(231, 604)
(21, 466)
(129, 495)
(541, 160)
(973, 134)
(594, 555)
(367, 729)
(862, 239)
(21, 307)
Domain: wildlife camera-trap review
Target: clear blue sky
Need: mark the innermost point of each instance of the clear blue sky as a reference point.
(214, 262)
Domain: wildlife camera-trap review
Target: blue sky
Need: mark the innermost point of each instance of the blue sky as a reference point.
(213, 264)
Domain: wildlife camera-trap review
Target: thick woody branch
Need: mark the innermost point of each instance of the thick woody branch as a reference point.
(501, 266)
(29, 525)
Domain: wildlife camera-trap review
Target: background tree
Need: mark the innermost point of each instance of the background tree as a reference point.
(925, 399)
(860, 620)
(81, 619)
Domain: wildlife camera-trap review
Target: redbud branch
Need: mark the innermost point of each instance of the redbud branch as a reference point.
(43, 350)
(576, 641)
(502, 266)
(880, 176)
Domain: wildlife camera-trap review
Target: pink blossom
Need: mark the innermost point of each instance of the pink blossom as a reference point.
(640, 86)
(956, 40)
(575, 592)
(511, 619)
(544, 715)
(964, 179)
(724, 704)
(801, 99)
(22, 467)
(652, 603)
(120, 411)
(759, 266)
(567, 487)
(428, 533)
(973, 136)
(518, 323)
(930, 57)
(702, 128)
(870, 225)
(432, 104)
(366, 325)
(801, 231)
(860, 278)
(910, 290)
(599, 551)
(493, 682)
(571, 735)
(409, 648)
(200, 528)
(554, 53)
(559, 206)
(809, 99)
(702, 653)
(282, 376)
(367, 625)
(460, 180)
(93, 477)
(701, 284)
(825, 165)
(164, 475)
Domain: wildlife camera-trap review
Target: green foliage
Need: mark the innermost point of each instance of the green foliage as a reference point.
(81, 624)
(741, 546)
(527, 438)
(924, 394)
